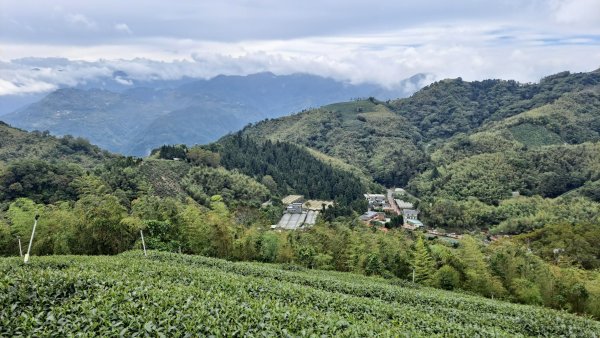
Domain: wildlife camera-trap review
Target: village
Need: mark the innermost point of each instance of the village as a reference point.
(383, 211)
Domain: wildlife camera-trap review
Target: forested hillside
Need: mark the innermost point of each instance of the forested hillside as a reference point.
(447, 107)
(392, 141)
(364, 133)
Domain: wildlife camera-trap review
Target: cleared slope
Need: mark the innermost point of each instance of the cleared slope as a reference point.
(173, 295)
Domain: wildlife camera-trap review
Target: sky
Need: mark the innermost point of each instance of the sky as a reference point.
(47, 44)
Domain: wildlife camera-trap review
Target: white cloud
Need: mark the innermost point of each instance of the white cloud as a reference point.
(81, 21)
(10, 88)
(578, 12)
(382, 42)
(123, 27)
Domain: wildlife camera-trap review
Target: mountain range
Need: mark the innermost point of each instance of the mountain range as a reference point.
(146, 115)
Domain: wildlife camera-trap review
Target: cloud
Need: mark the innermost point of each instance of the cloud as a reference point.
(81, 21)
(122, 27)
(577, 12)
(380, 42)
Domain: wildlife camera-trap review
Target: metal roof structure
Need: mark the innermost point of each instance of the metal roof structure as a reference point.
(295, 221)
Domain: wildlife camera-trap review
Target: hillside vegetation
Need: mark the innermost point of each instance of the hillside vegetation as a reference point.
(365, 134)
(16, 144)
(177, 295)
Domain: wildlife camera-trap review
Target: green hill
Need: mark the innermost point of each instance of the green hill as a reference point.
(365, 134)
(16, 144)
(177, 295)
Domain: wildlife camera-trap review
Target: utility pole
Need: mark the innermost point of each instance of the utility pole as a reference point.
(413, 275)
(143, 243)
(26, 260)
(20, 248)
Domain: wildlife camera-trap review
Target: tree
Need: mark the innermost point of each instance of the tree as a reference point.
(203, 157)
(100, 231)
(270, 183)
(423, 264)
(478, 276)
(447, 278)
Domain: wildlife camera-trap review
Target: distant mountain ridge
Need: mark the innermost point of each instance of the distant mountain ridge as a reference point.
(136, 120)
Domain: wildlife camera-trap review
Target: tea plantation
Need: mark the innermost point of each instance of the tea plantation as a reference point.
(170, 295)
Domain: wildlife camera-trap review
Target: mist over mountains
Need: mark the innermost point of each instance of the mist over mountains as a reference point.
(148, 114)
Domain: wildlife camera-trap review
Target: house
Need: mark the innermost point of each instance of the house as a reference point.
(410, 219)
(410, 214)
(413, 224)
(399, 191)
(294, 208)
(372, 216)
(296, 220)
(367, 216)
(375, 200)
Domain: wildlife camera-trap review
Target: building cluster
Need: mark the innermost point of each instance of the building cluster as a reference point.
(300, 214)
(379, 204)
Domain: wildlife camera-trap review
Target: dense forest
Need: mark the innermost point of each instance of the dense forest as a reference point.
(513, 167)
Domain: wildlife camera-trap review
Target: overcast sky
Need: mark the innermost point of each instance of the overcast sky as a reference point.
(359, 41)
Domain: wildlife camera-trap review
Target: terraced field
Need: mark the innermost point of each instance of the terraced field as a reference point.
(170, 295)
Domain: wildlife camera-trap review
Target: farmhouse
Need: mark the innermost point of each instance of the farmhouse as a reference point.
(375, 200)
(371, 216)
(410, 214)
(410, 219)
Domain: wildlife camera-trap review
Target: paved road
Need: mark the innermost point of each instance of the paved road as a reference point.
(392, 202)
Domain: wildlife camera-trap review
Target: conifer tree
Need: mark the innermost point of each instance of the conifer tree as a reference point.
(423, 264)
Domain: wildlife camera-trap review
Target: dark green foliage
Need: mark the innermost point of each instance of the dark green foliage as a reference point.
(578, 243)
(385, 145)
(16, 144)
(41, 181)
(293, 168)
(448, 107)
(170, 152)
(491, 177)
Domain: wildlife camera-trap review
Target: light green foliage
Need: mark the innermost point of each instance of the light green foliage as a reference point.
(100, 230)
(477, 272)
(21, 214)
(579, 243)
(235, 188)
(423, 264)
(174, 295)
(202, 157)
(447, 278)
